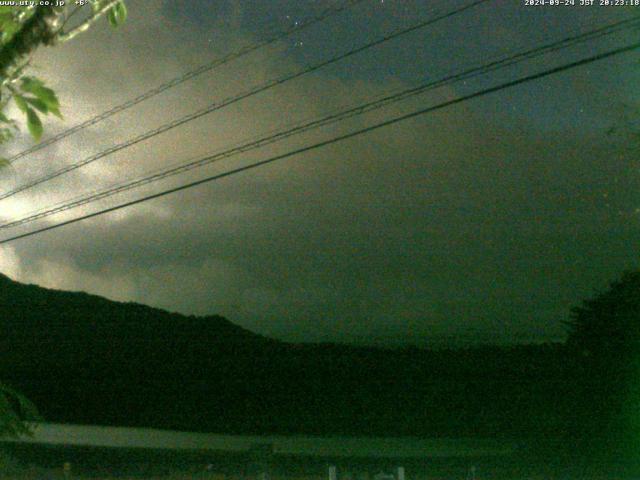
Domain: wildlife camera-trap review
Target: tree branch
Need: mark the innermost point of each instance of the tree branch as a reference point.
(67, 18)
(84, 26)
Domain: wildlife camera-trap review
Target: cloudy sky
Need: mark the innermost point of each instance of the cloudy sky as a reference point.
(483, 222)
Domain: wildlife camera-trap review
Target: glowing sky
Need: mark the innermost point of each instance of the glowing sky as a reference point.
(483, 222)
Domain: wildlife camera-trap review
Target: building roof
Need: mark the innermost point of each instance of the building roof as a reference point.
(146, 438)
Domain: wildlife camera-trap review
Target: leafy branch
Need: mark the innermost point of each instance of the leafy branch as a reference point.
(15, 410)
(22, 31)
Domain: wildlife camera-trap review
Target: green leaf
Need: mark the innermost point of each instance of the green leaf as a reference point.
(112, 18)
(4, 118)
(44, 94)
(30, 83)
(55, 111)
(4, 162)
(49, 98)
(21, 103)
(6, 134)
(38, 104)
(118, 14)
(8, 29)
(34, 124)
(51, 101)
(122, 12)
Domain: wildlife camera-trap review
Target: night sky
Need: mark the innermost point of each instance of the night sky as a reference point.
(483, 222)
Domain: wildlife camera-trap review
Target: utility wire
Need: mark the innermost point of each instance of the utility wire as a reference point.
(334, 117)
(329, 12)
(336, 139)
(231, 100)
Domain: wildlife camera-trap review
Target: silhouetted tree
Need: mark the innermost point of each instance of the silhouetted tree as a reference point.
(607, 327)
(605, 336)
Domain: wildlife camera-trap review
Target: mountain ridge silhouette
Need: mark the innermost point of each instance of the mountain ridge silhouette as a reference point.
(84, 359)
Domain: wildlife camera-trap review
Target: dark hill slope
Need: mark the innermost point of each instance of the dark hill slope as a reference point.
(86, 359)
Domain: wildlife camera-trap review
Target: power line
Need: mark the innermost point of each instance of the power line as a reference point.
(379, 102)
(336, 139)
(207, 67)
(231, 100)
